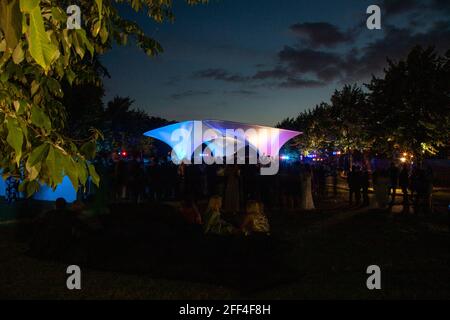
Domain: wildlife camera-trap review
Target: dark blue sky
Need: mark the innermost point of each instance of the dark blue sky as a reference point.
(259, 61)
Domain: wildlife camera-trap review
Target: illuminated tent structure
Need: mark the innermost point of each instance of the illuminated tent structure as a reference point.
(186, 137)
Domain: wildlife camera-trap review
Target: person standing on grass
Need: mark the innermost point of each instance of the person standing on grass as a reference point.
(429, 189)
(403, 181)
(393, 181)
(354, 185)
(365, 186)
(306, 201)
(232, 201)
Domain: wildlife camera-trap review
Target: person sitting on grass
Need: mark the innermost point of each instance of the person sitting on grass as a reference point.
(213, 223)
(55, 231)
(87, 215)
(190, 213)
(255, 221)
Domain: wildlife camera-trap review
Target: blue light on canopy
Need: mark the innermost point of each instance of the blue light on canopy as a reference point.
(173, 136)
(185, 137)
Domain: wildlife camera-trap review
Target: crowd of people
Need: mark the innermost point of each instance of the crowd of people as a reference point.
(297, 185)
(415, 183)
(236, 195)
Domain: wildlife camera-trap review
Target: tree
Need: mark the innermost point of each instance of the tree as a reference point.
(410, 105)
(123, 126)
(339, 125)
(408, 109)
(349, 112)
(37, 54)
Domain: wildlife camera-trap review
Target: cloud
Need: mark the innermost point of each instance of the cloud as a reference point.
(173, 81)
(325, 65)
(398, 7)
(318, 34)
(395, 45)
(307, 66)
(440, 5)
(219, 74)
(242, 92)
(356, 63)
(276, 73)
(189, 93)
(301, 83)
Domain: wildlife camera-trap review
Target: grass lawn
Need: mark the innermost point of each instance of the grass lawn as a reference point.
(312, 255)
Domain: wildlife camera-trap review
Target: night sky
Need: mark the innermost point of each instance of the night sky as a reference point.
(259, 61)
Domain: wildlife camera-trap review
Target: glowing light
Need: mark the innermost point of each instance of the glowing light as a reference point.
(124, 153)
(403, 159)
(63, 190)
(285, 157)
(186, 137)
(336, 153)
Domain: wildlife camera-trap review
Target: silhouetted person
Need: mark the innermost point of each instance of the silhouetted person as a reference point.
(393, 181)
(380, 185)
(420, 190)
(334, 175)
(232, 202)
(365, 186)
(428, 180)
(121, 179)
(403, 181)
(56, 231)
(190, 212)
(354, 185)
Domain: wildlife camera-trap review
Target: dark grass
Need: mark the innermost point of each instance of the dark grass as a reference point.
(148, 253)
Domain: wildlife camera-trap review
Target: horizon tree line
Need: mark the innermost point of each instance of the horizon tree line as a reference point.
(407, 109)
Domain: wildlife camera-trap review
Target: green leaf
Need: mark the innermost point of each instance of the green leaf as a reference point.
(34, 87)
(89, 149)
(82, 172)
(26, 6)
(33, 172)
(20, 107)
(15, 137)
(40, 119)
(11, 22)
(58, 14)
(18, 54)
(41, 48)
(3, 45)
(78, 45)
(82, 39)
(100, 8)
(71, 170)
(104, 34)
(54, 86)
(54, 165)
(32, 188)
(96, 28)
(38, 154)
(95, 177)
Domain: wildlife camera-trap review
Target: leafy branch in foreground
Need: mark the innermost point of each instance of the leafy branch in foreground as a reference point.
(37, 54)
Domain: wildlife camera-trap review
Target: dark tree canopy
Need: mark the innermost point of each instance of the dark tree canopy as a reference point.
(406, 109)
